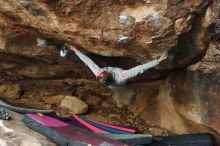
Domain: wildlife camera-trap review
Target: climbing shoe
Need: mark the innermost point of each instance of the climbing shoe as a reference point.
(63, 50)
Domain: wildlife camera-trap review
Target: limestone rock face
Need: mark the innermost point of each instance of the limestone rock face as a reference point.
(210, 62)
(140, 29)
(137, 30)
(187, 101)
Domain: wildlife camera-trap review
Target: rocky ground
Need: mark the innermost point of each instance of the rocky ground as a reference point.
(14, 133)
(110, 113)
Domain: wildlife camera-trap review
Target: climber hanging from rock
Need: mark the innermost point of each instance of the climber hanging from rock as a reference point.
(115, 77)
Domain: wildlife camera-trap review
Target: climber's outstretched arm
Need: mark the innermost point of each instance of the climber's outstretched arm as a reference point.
(94, 67)
(133, 72)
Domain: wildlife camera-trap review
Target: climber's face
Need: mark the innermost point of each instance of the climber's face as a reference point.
(100, 74)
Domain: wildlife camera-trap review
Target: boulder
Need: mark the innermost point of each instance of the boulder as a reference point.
(74, 105)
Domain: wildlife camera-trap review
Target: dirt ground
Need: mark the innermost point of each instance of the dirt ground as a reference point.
(110, 113)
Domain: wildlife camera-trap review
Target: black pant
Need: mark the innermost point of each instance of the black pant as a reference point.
(73, 56)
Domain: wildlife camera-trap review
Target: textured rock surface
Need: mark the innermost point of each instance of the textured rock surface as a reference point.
(191, 99)
(182, 27)
(123, 97)
(211, 61)
(92, 100)
(95, 25)
(187, 101)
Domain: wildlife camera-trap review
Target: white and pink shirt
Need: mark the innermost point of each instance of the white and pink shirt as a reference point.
(120, 75)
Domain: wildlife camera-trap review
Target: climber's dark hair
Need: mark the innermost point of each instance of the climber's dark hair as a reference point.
(105, 78)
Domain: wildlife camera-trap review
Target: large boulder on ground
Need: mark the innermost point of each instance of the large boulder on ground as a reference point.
(74, 105)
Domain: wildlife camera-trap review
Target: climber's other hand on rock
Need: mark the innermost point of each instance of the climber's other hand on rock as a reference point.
(162, 58)
(73, 48)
